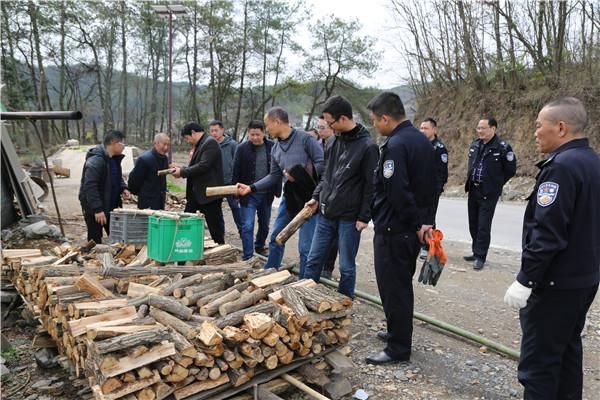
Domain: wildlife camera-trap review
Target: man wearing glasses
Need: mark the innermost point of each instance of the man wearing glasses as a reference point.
(491, 164)
(343, 197)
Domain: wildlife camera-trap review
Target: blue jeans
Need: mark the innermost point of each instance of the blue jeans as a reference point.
(304, 242)
(235, 211)
(348, 241)
(258, 204)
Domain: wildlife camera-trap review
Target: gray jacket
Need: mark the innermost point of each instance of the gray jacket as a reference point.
(228, 147)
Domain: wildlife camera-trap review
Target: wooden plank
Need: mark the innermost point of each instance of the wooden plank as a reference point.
(16, 254)
(129, 363)
(127, 389)
(92, 285)
(78, 326)
(271, 279)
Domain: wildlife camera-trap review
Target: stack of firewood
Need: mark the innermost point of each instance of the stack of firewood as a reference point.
(155, 331)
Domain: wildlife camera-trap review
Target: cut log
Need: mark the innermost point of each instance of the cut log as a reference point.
(193, 293)
(140, 259)
(127, 389)
(183, 346)
(276, 296)
(271, 338)
(271, 279)
(178, 374)
(111, 385)
(148, 336)
(189, 332)
(78, 327)
(92, 285)
(237, 317)
(170, 305)
(271, 362)
(258, 324)
(204, 360)
(240, 287)
(106, 332)
(137, 290)
(164, 367)
(246, 300)
(214, 373)
(146, 394)
(213, 307)
(294, 225)
(240, 376)
(144, 372)
(190, 280)
(221, 190)
(128, 363)
(162, 390)
(235, 335)
(294, 302)
(209, 334)
(312, 300)
(200, 386)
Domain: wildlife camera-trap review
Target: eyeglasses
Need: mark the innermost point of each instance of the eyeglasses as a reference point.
(321, 127)
(332, 122)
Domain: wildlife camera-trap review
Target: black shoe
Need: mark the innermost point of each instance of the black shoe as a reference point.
(469, 258)
(383, 336)
(382, 358)
(263, 252)
(478, 264)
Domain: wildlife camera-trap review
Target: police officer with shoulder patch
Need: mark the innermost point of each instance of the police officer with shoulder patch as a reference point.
(491, 164)
(560, 264)
(429, 129)
(402, 217)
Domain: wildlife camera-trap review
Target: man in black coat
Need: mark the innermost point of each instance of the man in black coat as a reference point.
(402, 217)
(560, 264)
(102, 184)
(143, 181)
(491, 164)
(205, 170)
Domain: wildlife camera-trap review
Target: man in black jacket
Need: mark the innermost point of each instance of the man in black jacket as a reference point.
(402, 216)
(560, 265)
(205, 170)
(143, 181)
(102, 184)
(251, 163)
(343, 196)
(491, 164)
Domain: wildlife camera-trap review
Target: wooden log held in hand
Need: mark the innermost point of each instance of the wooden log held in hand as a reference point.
(167, 171)
(221, 190)
(294, 225)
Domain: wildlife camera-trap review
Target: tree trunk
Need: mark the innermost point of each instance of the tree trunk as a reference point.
(242, 73)
(124, 65)
(43, 91)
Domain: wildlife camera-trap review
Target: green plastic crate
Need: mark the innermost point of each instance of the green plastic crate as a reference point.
(175, 240)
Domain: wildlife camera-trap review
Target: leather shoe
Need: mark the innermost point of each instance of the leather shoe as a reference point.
(383, 336)
(262, 251)
(469, 258)
(478, 264)
(382, 358)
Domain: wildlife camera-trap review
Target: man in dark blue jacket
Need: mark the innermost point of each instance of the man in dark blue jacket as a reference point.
(343, 196)
(102, 184)
(560, 265)
(252, 162)
(143, 181)
(491, 164)
(402, 215)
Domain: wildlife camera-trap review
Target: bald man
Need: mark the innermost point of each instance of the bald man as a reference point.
(143, 182)
(560, 264)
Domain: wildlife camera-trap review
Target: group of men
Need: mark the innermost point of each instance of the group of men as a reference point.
(347, 181)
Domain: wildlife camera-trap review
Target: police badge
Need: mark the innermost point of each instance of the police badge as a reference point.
(547, 193)
(444, 158)
(388, 169)
(510, 156)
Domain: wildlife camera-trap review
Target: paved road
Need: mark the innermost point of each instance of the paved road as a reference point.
(506, 227)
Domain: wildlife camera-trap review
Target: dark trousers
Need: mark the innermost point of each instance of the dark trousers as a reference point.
(435, 207)
(213, 214)
(395, 264)
(329, 265)
(481, 213)
(550, 367)
(94, 229)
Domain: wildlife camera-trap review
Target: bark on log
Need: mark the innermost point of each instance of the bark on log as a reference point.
(294, 302)
(170, 305)
(246, 300)
(294, 225)
(213, 307)
(237, 317)
(92, 285)
(221, 190)
(167, 319)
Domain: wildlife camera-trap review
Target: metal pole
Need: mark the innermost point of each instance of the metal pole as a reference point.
(170, 112)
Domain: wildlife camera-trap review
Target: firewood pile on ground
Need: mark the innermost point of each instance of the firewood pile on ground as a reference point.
(141, 330)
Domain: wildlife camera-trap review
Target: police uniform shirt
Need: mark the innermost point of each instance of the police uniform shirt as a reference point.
(441, 163)
(491, 165)
(561, 227)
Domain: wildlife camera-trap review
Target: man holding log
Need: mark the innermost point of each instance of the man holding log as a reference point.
(144, 180)
(205, 169)
(252, 162)
(343, 196)
(294, 148)
(402, 214)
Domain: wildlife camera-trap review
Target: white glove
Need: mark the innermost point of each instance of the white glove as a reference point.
(516, 296)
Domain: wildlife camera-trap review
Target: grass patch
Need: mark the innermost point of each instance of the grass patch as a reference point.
(10, 356)
(174, 188)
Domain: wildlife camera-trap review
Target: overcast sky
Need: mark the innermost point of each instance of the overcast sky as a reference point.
(377, 19)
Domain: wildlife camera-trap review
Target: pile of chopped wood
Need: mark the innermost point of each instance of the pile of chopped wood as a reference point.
(153, 331)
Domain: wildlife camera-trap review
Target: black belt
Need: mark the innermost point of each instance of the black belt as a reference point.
(476, 184)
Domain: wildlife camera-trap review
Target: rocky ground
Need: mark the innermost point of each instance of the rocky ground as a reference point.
(443, 366)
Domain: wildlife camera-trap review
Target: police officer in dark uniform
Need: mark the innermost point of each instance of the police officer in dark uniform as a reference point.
(402, 215)
(560, 265)
(491, 164)
(429, 129)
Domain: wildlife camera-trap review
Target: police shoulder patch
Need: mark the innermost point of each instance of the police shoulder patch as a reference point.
(388, 168)
(547, 193)
(444, 158)
(510, 156)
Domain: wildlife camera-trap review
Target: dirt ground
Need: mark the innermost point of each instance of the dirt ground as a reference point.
(443, 366)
